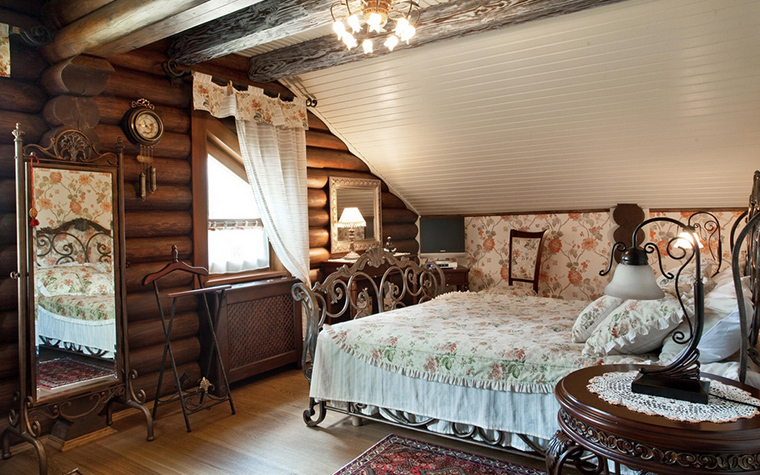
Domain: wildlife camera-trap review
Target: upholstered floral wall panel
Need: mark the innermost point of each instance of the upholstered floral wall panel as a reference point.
(576, 248)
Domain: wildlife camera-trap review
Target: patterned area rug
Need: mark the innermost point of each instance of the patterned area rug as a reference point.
(395, 455)
(59, 372)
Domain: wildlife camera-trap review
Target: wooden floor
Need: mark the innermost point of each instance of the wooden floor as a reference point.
(266, 436)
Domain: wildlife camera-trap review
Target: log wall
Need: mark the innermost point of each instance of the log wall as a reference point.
(165, 217)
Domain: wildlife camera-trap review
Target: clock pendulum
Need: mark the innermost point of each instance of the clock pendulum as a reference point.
(144, 127)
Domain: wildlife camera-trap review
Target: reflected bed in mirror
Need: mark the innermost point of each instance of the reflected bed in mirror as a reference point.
(357, 193)
(74, 295)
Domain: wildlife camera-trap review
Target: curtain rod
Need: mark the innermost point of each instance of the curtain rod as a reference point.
(177, 72)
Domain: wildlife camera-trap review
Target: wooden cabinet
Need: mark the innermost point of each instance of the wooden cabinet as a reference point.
(458, 278)
(259, 328)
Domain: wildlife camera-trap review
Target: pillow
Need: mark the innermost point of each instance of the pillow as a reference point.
(721, 335)
(592, 316)
(635, 327)
(59, 280)
(98, 283)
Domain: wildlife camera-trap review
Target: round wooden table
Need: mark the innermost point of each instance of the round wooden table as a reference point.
(650, 443)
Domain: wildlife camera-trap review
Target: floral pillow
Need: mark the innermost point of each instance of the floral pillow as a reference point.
(590, 318)
(84, 279)
(635, 327)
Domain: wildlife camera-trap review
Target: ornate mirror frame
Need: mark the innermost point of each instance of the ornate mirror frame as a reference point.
(341, 186)
(84, 239)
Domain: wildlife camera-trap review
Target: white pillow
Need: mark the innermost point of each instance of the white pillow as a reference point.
(721, 335)
(593, 315)
(635, 327)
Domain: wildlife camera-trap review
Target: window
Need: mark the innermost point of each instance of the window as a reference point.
(236, 238)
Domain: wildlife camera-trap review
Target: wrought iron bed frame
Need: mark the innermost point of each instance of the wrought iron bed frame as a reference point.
(422, 283)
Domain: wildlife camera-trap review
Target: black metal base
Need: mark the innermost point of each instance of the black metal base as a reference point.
(657, 384)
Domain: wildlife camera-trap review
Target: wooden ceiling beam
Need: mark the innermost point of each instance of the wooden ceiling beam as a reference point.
(123, 25)
(262, 23)
(453, 19)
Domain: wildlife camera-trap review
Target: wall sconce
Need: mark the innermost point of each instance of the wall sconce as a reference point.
(634, 279)
(351, 218)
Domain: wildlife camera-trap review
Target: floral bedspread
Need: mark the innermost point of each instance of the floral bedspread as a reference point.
(499, 342)
(80, 307)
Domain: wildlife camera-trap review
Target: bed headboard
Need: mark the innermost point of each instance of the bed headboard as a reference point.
(77, 241)
(376, 282)
(750, 353)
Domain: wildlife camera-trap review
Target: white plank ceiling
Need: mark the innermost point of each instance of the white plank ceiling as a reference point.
(655, 102)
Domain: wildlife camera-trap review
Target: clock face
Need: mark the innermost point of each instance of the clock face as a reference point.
(147, 125)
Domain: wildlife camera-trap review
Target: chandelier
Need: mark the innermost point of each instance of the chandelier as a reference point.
(394, 20)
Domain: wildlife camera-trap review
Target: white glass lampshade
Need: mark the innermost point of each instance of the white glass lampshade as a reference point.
(391, 42)
(686, 241)
(351, 218)
(367, 45)
(634, 282)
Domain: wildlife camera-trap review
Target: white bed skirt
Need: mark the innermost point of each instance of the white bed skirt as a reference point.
(97, 334)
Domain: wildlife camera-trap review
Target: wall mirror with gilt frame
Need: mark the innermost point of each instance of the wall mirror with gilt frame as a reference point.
(364, 194)
(73, 352)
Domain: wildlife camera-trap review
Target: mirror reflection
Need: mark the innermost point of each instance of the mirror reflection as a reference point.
(74, 285)
(363, 194)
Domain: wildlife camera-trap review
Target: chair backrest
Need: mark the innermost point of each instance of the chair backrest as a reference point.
(525, 250)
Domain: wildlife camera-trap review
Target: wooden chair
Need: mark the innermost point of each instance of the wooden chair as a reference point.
(525, 249)
(200, 397)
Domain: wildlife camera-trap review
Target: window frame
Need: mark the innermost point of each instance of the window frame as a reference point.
(210, 133)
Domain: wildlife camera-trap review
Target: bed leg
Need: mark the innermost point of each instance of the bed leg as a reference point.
(357, 421)
(308, 413)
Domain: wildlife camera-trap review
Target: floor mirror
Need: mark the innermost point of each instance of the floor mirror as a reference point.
(73, 351)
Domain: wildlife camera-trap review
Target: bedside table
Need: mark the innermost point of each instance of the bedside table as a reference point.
(457, 278)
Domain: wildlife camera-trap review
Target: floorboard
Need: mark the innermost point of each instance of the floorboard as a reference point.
(266, 436)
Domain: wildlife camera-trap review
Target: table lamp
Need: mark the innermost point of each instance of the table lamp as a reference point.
(634, 279)
(351, 218)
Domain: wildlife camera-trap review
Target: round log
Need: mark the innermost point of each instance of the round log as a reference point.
(7, 161)
(21, 95)
(317, 198)
(135, 274)
(8, 260)
(8, 229)
(8, 294)
(317, 256)
(170, 171)
(72, 112)
(32, 125)
(79, 76)
(392, 201)
(28, 64)
(314, 275)
(59, 13)
(326, 158)
(155, 223)
(407, 245)
(171, 145)
(144, 60)
(318, 218)
(8, 194)
(9, 357)
(142, 305)
(113, 109)
(148, 359)
(320, 177)
(150, 332)
(315, 123)
(166, 197)
(148, 381)
(320, 139)
(318, 237)
(134, 85)
(399, 232)
(154, 249)
(398, 215)
(8, 388)
(9, 327)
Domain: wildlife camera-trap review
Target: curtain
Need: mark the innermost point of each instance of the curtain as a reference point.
(272, 137)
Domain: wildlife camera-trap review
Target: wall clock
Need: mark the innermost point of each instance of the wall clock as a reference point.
(144, 127)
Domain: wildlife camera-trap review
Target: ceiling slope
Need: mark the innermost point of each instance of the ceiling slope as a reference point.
(655, 102)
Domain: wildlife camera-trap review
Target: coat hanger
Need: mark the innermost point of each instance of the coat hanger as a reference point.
(175, 264)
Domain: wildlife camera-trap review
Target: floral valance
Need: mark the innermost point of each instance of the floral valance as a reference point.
(250, 105)
(5, 51)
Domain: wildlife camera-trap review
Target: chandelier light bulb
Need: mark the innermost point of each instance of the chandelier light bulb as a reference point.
(339, 28)
(349, 40)
(367, 45)
(409, 31)
(401, 25)
(391, 42)
(354, 23)
(375, 22)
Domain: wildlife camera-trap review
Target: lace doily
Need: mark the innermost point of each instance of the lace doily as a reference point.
(615, 388)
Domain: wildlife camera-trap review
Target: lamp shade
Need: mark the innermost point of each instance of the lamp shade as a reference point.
(351, 218)
(634, 282)
(686, 241)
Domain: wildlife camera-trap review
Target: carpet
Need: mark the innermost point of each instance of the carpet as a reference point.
(59, 372)
(395, 455)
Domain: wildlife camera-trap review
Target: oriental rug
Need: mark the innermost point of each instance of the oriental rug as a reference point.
(59, 372)
(396, 455)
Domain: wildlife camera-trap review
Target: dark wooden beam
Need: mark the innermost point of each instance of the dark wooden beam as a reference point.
(457, 18)
(261, 23)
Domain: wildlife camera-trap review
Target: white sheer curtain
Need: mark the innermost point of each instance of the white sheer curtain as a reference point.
(272, 137)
